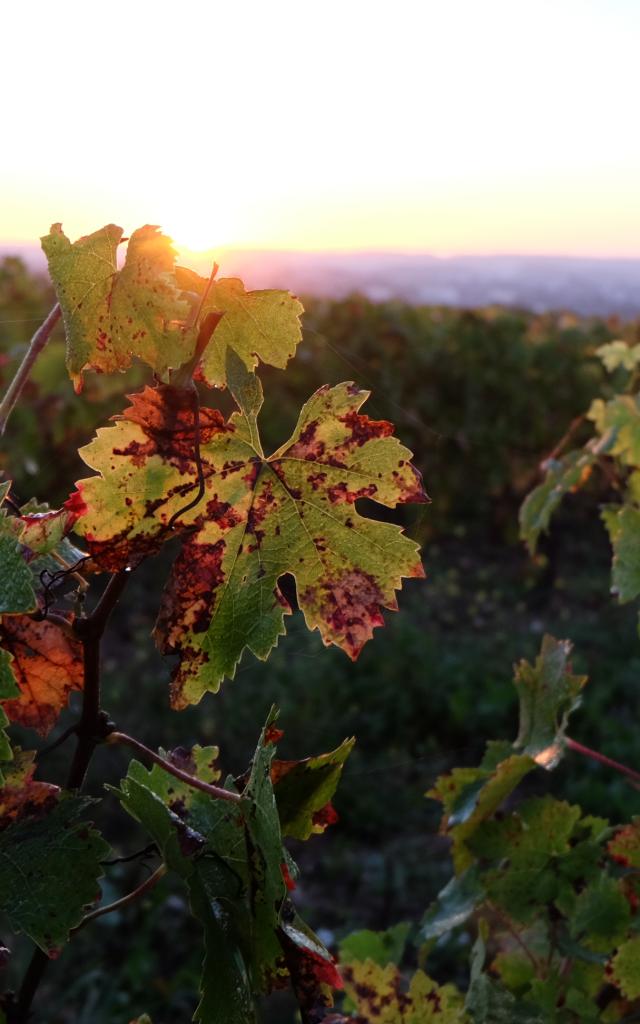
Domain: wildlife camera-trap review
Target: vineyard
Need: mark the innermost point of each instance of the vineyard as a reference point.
(255, 766)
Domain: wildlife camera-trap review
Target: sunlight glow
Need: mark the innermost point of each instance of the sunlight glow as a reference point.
(457, 127)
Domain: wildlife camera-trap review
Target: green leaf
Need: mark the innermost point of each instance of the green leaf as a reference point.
(225, 986)
(304, 789)
(381, 947)
(626, 968)
(16, 588)
(489, 1003)
(49, 871)
(109, 314)
(258, 326)
(562, 476)
(601, 915)
(548, 694)
(257, 520)
(619, 420)
(623, 525)
(470, 795)
(453, 905)
(264, 840)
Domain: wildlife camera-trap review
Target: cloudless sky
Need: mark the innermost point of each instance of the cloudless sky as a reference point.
(436, 125)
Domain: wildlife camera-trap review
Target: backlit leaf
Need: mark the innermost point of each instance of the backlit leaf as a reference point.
(112, 314)
(619, 419)
(258, 519)
(16, 587)
(259, 326)
(382, 947)
(46, 664)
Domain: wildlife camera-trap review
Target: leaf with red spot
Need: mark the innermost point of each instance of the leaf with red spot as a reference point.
(111, 314)
(625, 845)
(258, 326)
(46, 665)
(21, 795)
(314, 972)
(382, 994)
(304, 790)
(257, 519)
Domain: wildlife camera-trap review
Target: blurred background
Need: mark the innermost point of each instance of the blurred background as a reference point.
(452, 190)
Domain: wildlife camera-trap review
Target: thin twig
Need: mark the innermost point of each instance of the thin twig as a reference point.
(215, 791)
(36, 345)
(58, 743)
(535, 963)
(595, 755)
(145, 852)
(58, 620)
(124, 901)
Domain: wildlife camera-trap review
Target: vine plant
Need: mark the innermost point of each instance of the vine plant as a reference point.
(171, 467)
(551, 893)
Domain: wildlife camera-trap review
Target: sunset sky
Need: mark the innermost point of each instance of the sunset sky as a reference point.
(446, 126)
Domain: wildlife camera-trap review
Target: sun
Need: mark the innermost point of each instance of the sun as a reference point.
(200, 233)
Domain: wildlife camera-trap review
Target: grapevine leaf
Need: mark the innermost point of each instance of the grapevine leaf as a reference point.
(601, 915)
(489, 1003)
(470, 795)
(258, 326)
(111, 315)
(39, 893)
(313, 971)
(617, 353)
(22, 795)
(46, 665)
(44, 530)
(525, 847)
(625, 845)
(382, 947)
(16, 589)
(226, 996)
(562, 476)
(548, 694)
(453, 905)
(258, 520)
(619, 420)
(264, 842)
(303, 791)
(626, 968)
(623, 526)
(377, 993)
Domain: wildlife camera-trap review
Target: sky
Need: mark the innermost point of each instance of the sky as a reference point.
(443, 126)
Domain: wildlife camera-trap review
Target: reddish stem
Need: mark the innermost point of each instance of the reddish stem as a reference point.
(215, 791)
(595, 755)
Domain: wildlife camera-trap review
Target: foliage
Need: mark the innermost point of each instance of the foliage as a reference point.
(172, 467)
(550, 890)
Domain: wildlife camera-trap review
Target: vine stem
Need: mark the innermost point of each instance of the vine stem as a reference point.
(91, 732)
(217, 792)
(36, 345)
(595, 755)
(124, 901)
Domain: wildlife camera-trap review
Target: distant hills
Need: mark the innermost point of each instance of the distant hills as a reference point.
(602, 287)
